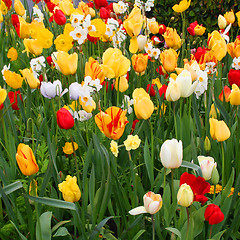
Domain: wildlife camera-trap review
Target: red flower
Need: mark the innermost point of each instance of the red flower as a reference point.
(92, 39)
(104, 13)
(59, 17)
(51, 6)
(191, 28)
(100, 3)
(14, 99)
(90, 4)
(234, 77)
(1, 106)
(200, 53)
(162, 29)
(163, 90)
(36, 1)
(213, 214)
(64, 119)
(16, 23)
(134, 125)
(50, 61)
(198, 185)
(152, 90)
(226, 90)
(8, 3)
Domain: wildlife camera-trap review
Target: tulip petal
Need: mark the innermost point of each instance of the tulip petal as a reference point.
(138, 210)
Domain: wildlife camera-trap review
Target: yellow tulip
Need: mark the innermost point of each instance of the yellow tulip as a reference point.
(222, 22)
(233, 48)
(143, 105)
(123, 84)
(30, 78)
(182, 6)
(185, 195)
(12, 54)
(24, 28)
(214, 112)
(66, 6)
(93, 69)
(13, 79)
(153, 27)
(114, 63)
(32, 46)
(199, 30)
(238, 17)
(1, 16)
(3, 95)
(235, 95)
(65, 63)
(19, 8)
(219, 130)
(68, 147)
(139, 62)
(112, 122)
(230, 17)
(82, 6)
(172, 38)
(169, 59)
(70, 189)
(26, 160)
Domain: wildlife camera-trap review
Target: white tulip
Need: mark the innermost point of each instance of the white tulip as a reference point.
(206, 164)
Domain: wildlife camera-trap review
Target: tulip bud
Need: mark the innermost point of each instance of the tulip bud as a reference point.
(207, 144)
(185, 195)
(142, 40)
(123, 84)
(206, 164)
(215, 176)
(222, 22)
(92, 12)
(64, 119)
(19, 8)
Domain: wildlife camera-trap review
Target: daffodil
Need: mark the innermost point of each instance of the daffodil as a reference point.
(63, 42)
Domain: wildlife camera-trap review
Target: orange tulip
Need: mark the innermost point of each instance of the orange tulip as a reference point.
(26, 160)
(230, 17)
(172, 38)
(112, 122)
(93, 69)
(233, 48)
(169, 59)
(139, 62)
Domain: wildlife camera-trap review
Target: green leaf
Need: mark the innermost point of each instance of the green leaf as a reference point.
(43, 227)
(12, 187)
(139, 234)
(218, 235)
(61, 232)
(59, 224)
(53, 202)
(176, 231)
(21, 236)
(190, 165)
(148, 161)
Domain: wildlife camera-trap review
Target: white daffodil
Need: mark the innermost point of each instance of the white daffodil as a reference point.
(76, 20)
(202, 80)
(236, 63)
(79, 34)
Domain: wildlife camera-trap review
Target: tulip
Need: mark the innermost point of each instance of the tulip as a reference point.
(64, 119)
(171, 153)
(70, 189)
(114, 63)
(132, 142)
(172, 39)
(68, 147)
(123, 84)
(32, 46)
(199, 30)
(51, 90)
(162, 29)
(233, 48)
(169, 59)
(153, 27)
(152, 204)
(3, 95)
(93, 69)
(225, 92)
(185, 195)
(26, 160)
(206, 164)
(100, 3)
(172, 92)
(30, 78)
(139, 62)
(112, 122)
(230, 17)
(222, 22)
(235, 95)
(19, 8)
(13, 79)
(213, 214)
(150, 90)
(207, 144)
(142, 41)
(182, 6)
(219, 130)
(234, 77)
(12, 54)
(143, 105)
(13, 97)
(238, 17)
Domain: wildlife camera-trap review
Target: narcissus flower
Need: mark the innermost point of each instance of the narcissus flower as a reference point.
(70, 189)
(13, 79)
(182, 6)
(198, 185)
(143, 105)
(12, 54)
(112, 122)
(65, 63)
(206, 164)
(26, 160)
(63, 42)
(132, 142)
(172, 38)
(139, 62)
(213, 214)
(171, 153)
(64, 119)
(185, 195)
(219, 130)
(114, 63)
(29, 77)
(3, 95)
(68, 147)
(235, 95)
(114, 148)
(152, 204)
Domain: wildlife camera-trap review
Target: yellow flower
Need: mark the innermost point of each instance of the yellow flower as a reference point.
(12, 54)
(213, 111)
(123, 84)
(230, 17)
(68, 28)
(63, 42)
(235, 95)
(29, 78)
(24, 28)
(132, 142)
(32, 46)
(182, 6)
(93, 69)
(68, 147)
(66, 6)
(218, 189)
(172, 38)
(70, 189)
(219, 130)
(233, 48)
(238, 17)
(139, 62)
(65, 63)
(1, 16)
(222, 22)
(185, 195)
(100, 28)
(19, 8)
(83, 7)
(13, 79)
(114, 148)
(114, 63)
(89, 108)
(143, 105)
(153, 27)
(44, 37)
(169, 59)
(33, 188)
(157, 82)
(3, 7)
(3, 95)
(26, 160)
(199, 30)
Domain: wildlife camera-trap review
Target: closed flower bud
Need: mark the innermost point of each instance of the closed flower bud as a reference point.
(213, 214)
(64, 119)
(215, 176)
(12, 54)
(207, 144)
(222, 22)
(142, 40)
(19, 8)
(70, 189)
(171, 153)
(185, 195)
(139, 62)
(26, 160)
(235, 95)
(169, 59)
(123, 84)
(219, 130)
(230, 17)
(207, 165)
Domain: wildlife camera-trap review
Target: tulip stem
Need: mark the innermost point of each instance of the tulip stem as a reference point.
(183, 37)
(118, 91)
(152, 144)
(153, 227)
(75, 158)
(214, 192)
(164, 180)
(175, 120)
(172, 183)
(223, 166)
(210, 233)
(187, 222)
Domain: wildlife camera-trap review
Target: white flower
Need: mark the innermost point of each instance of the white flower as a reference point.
(76, 20)
(202, 80)
(37, 64)
(122, 7)
(84, 116)
(224, 34)
(74, 90)
(155, 53)
(95, 84)
(51, 90)
(87, 24)
(127, 102)
(210, 67)
(119, 37)
(206, 164)
(79, 34)
(236, 63)
(148, 5)
(37, 14)
(142, 40)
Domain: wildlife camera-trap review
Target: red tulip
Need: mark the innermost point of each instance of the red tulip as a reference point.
(199, 53)
(50, 61)
(100, 3)
(134, 125)
(92, 39)
(234, 77)
(64, 119)
(162, 29)
(163, 90)
(90, 4)
(226, 90)
(191, 28)
(16, 23)
(8, 3)
(1, 106)
(14, 99)
(152, 90)
(104, 13)
(198, 185)
(59, 17)
(213, 214)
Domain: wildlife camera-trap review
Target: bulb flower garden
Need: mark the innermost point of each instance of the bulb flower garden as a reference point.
(116, 126)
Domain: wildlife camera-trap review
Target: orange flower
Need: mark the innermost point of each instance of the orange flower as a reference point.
(93, 69)
(226, 91)
(112, 122)
(139, 62)
(172, 38)
(233, 48)
(230, 17)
